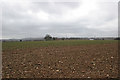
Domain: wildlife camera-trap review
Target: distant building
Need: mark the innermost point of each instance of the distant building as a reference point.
(91, 39)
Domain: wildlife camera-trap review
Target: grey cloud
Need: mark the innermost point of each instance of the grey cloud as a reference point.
(21, 21)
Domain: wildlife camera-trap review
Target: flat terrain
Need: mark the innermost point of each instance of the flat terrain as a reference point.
(60, 59)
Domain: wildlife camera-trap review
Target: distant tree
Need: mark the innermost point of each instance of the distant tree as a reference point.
(63, 38)
(48, 37)
(54, 38)
(117, 38)
(20, 40)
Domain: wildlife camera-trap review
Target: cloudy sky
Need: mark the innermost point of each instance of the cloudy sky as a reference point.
(66, 18)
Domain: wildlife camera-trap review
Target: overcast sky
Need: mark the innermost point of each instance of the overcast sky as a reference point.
(80, 18)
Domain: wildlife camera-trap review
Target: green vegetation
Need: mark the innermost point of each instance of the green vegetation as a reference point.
(36, 44)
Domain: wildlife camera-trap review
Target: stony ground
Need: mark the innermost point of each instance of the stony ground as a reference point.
(83, 61)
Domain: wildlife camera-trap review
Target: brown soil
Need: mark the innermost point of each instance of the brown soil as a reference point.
(84, 61)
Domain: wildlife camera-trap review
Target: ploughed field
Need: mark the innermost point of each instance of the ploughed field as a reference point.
(60, 59)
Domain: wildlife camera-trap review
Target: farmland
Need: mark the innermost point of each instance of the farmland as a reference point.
(60, 59)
